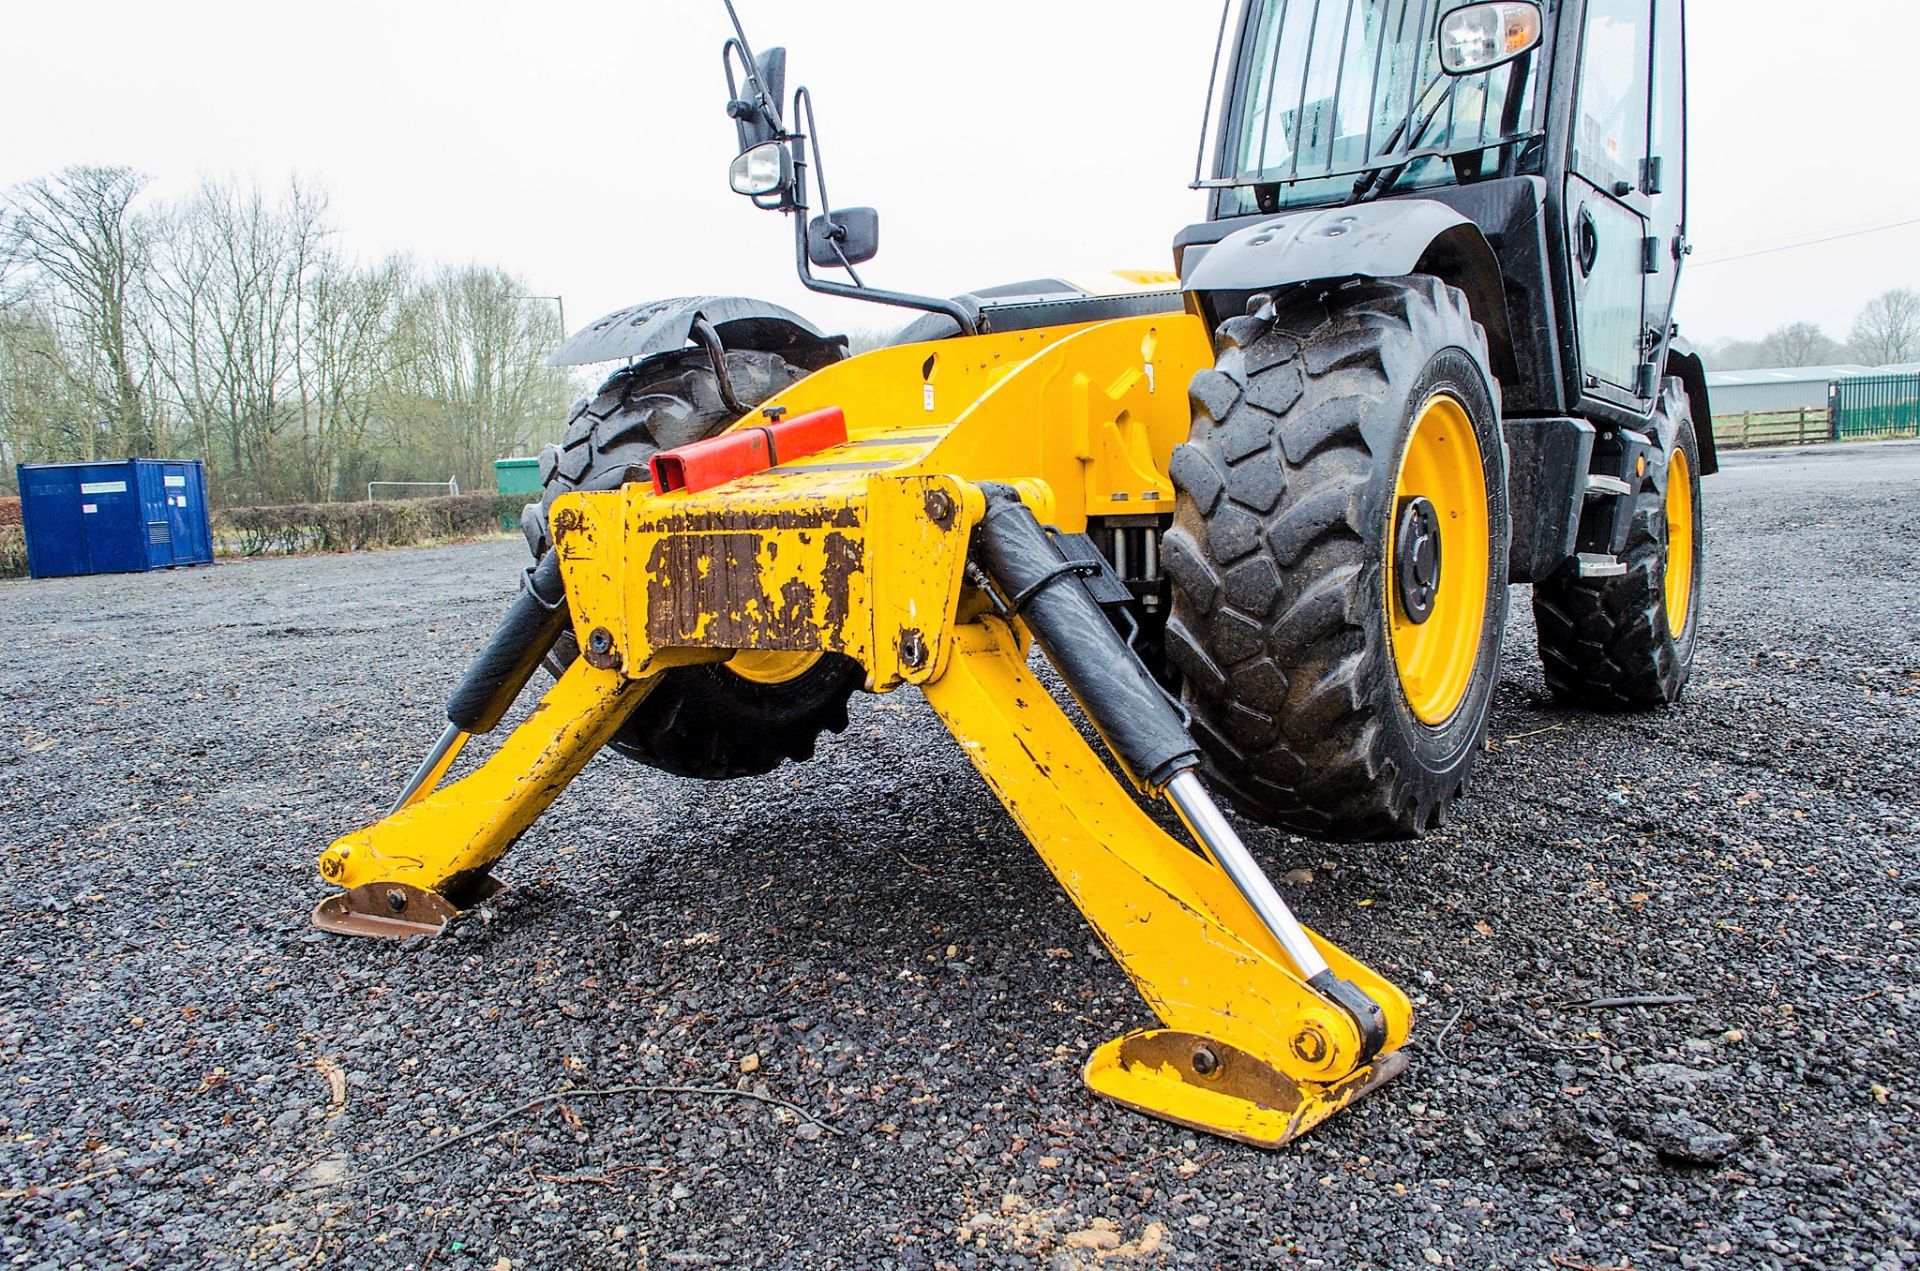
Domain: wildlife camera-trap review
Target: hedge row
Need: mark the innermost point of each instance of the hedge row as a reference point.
(13, 552)
(359, 527)
(10, 511)
(321, 527)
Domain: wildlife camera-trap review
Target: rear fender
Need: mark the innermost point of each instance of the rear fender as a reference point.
(1367, 240)
(664, 326)
(1684, 363)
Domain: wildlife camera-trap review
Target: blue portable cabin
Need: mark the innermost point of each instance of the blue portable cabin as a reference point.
(114, 517)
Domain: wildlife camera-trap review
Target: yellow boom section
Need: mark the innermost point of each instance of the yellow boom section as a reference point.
(863, 550)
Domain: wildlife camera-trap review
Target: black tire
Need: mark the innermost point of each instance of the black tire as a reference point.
(701, 721)
(1281, 622)
(1606, 643)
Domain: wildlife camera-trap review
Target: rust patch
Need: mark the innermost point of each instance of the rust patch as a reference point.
(706, 591)
(844, 559)
(841, 517)
(568, 522)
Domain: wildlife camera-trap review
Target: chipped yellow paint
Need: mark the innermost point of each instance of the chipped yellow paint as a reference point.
(804, 562)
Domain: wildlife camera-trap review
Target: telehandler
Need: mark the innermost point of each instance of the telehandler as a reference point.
(1259, 512)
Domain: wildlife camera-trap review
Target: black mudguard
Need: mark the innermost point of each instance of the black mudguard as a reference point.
(1685, 363)
(1388, 239)
(664, 326)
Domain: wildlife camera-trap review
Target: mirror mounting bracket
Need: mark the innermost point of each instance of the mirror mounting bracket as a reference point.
(836, 240)
(804, 236)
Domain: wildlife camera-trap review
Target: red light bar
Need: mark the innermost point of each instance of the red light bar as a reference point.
(754, 448)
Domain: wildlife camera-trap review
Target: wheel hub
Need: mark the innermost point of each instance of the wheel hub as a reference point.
(1416, 563)
(771, 666)
(1436, 608)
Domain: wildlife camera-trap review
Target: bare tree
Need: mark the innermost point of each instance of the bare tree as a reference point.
(1888, 329)
(229, 296)
(472, 384)
(1733, 355)
(1798, 344)
(85, 250)
(45, 406)
(345, 359)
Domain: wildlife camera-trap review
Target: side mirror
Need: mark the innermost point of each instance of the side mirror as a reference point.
(1483, 36)
(756, 116)
(852, 233)
(765, 169)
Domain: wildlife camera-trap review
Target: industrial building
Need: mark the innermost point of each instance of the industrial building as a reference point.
(1785, 388)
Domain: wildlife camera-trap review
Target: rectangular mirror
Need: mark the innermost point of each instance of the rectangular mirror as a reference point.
(854, 231)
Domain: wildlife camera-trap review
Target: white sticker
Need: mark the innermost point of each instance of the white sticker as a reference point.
(926, 395)
(178, 483)
(103, 487)
(88, 507)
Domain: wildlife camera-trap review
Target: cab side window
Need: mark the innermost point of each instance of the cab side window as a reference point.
(1611, 133)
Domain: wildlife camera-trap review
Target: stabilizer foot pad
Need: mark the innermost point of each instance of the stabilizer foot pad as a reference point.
(1208, 1085)
(394, 911)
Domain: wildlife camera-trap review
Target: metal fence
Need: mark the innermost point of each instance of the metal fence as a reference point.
(1772, 428)
(1875, 406)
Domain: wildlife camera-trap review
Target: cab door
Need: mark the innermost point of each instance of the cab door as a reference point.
(1664, 180)
(1608, 212)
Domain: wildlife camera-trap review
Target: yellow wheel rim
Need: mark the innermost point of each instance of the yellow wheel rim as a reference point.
(1442, 464)
(1679, 542)
(771, 666)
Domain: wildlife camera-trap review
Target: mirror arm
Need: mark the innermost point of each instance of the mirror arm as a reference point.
(739, 42)
(835, 236)
(966, 318)
(727, 52)
(748, 96)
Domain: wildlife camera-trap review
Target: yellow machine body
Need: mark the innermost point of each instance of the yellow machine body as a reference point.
(862, 550)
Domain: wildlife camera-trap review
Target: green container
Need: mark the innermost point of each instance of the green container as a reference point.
(516, 476)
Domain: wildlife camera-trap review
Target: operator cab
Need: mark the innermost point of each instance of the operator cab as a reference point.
(1558, 130)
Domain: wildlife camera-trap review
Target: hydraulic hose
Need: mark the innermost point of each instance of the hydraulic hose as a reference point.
(1126, 705)
(538, 616)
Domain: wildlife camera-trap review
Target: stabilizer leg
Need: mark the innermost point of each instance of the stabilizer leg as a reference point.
(1250, 1049)
(413, 870)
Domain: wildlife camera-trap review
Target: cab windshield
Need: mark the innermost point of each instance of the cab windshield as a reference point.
(1329, 89)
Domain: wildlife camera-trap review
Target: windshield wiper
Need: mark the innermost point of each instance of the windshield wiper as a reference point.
(1373, 183)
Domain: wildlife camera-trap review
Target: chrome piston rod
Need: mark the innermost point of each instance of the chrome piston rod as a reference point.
(433, 767)
(1204, 821)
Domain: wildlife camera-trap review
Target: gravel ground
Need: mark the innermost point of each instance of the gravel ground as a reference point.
(190, 1076)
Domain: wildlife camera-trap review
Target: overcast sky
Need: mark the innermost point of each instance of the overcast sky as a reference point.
(583, 145)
